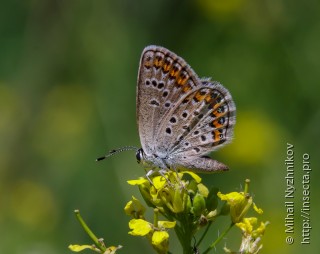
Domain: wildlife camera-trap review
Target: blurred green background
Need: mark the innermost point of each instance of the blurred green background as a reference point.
(68, 74)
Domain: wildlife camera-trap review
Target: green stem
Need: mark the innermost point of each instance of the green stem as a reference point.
(97, 242)
(246, 186)
(155, 217)
(204, 233)
(184, 235)
(218, 239)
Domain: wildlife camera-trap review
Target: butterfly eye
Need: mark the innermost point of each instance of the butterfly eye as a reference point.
(139, 155)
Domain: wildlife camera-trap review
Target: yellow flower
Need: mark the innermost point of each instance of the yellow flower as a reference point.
(135, 208)
(157, 235)
(160, 241)
(160, 237)
(239, 204)
(109, 250)
(251, 237)
(247, 225)
(140, 227)
(167, 191)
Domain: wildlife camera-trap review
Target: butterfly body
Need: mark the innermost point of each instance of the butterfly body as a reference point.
(181, 118)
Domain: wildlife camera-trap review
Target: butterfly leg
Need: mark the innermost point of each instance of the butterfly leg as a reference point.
(179, 179)
(162, 173)
(150, 173)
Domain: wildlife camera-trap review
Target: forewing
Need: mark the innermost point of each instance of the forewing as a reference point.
(164, 78)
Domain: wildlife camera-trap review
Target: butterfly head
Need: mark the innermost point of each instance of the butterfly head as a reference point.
(140, 155)
(143, 159)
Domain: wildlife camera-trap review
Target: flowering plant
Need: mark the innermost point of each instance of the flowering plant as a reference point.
(187, 206)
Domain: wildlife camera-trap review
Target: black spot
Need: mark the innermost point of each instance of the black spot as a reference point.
(196, 149)
(195, 99)
(175, 67)
(147, 82)
(159, 59)
(203, 138)
(183, 73)
(214, 95)
(154, 102)
(211, 124)
(220, 109)
(168, 130)
(196, 132)
(167, 104)
(221, 141)
(160, 85)
(200, 116)
(221, 133)
(202, 93)
(167, 62)
(196, 113)
(184, 114)
(219, 99)
(186, 144)
(185, 101)
(173, 120)
(165, 94)
(221, 120)
(172, 77)
(180, 138)
(154, 83)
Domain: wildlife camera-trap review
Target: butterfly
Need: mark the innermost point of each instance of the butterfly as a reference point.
(181, 117)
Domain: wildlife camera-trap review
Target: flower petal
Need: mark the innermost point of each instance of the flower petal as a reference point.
(78, 248)
(139, 181)
(159, 182)
(166, 224)
(232, 197)
(246, 225)
(134, 208)
(159, 236)
(193, 175)
(112, 249)
(258, 210)
(139, 227)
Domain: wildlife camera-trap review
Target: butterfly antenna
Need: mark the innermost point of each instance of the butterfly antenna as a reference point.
(115, 151)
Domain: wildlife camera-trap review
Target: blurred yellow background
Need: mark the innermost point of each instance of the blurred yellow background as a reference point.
(68, 74)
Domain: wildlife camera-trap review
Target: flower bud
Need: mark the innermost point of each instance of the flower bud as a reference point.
(199, 204)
